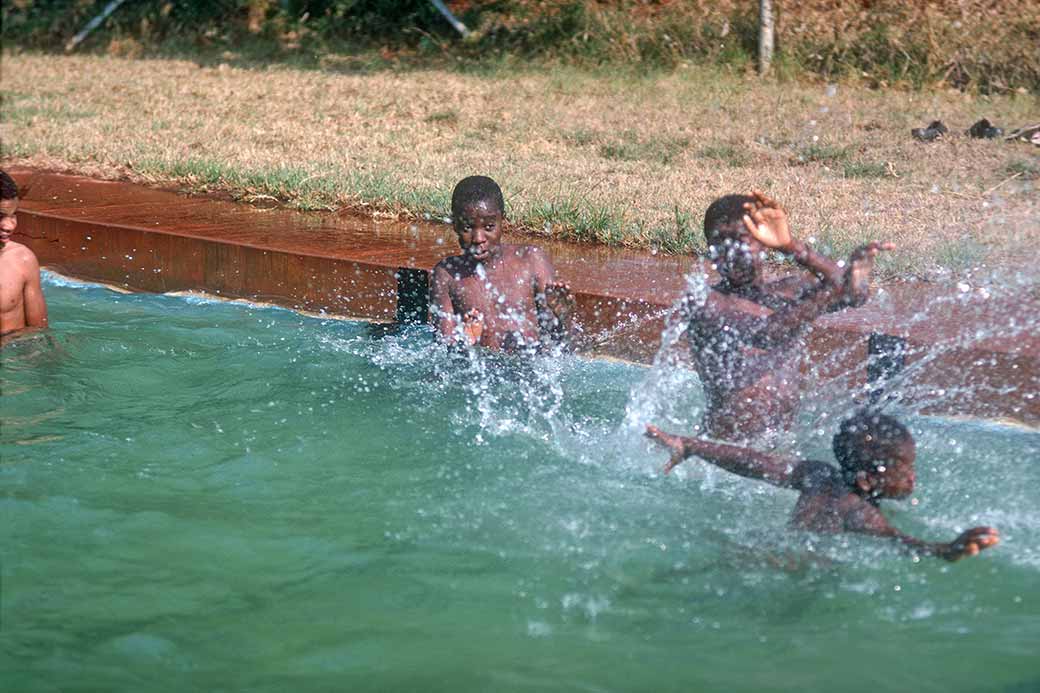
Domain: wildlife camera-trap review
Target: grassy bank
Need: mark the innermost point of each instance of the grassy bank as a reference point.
(609, 157)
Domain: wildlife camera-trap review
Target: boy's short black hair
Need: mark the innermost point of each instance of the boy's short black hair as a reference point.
(866, 439)
(723, 211)
(8, 188)
(473, 189)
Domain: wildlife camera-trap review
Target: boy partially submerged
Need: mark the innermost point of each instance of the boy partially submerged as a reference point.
(875, 454)
(745, 339)
(494, 294)
(22, 306)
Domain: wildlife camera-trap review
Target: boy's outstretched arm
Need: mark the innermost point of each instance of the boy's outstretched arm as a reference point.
(787, 323)
(868, 520)
(766, 220)
(781, 471)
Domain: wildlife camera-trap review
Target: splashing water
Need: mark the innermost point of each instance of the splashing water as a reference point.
(218, 496)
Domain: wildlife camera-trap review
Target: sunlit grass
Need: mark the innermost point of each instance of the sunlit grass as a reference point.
(593, 156)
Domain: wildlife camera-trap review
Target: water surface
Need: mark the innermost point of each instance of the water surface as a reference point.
(208, 496)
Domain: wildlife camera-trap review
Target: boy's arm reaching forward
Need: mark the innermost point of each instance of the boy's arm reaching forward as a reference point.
(766, 220)
(781, 471)
(867, 519)
(442, 312)
(787, 323)
(554, 301)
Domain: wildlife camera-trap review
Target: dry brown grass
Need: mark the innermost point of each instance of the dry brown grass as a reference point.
(590, 157)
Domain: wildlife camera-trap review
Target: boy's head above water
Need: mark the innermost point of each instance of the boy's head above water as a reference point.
(877, 454)
(8, 207)
(477, 211)
(736, 253)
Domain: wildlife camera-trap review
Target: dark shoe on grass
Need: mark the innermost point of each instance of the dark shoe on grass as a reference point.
(985, 130)
(934, 131)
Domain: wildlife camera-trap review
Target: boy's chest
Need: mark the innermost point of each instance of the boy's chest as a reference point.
(495, 293)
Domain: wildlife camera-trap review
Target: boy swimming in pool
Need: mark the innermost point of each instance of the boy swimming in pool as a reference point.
(875, 456)
(745, 339)
(494, 294)
(22, 305)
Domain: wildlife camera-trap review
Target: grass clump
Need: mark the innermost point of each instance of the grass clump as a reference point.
(448, 117)
(657, 149)
(865, 169)
(822, 154)
(727, 153)
(1024, 169)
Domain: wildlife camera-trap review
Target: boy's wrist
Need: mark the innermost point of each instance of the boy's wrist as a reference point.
(798, 250)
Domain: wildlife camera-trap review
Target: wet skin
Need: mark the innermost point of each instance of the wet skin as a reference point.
(22, 306)
(827, 501)
(745, 341)
(497, 295)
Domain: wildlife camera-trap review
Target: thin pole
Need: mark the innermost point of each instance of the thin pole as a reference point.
(92, 24)
(459, 26)
(765, 35)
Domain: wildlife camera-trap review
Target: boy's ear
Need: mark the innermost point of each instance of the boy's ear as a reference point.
(863, 482)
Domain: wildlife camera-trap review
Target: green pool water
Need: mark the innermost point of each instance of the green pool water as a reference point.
(221, 497)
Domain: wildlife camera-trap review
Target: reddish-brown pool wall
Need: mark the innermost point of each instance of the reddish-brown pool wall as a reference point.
(150, 240)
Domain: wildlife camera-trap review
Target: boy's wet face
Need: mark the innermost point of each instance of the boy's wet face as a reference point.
(479, 228)
(736, 255)
(8, 220)
(897, 476)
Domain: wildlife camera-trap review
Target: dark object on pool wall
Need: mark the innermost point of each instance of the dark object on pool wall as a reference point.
(934, 131)
(413, 295)
(985, 130)
(886, 358)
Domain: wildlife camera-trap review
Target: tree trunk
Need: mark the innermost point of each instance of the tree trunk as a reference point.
(765, 35)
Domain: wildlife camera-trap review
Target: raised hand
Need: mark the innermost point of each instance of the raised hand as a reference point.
(559, 299)
(857, 274)
(672, 442)
(971, 542)
(473, 326)
(766, 220)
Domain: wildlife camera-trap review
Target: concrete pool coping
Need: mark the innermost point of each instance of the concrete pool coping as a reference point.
(144, 239)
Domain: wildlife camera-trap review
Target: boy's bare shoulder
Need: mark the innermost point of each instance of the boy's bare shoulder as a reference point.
(817, 477)
(18, 250)
(449, 264)
(21, 254)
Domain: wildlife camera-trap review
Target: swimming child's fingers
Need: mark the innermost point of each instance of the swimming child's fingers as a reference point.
(560, 287)
(984, 537)
(749, 224)
(974, 540)
(874, 247)
(765, 200)
(656, 434)
(673, 462)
